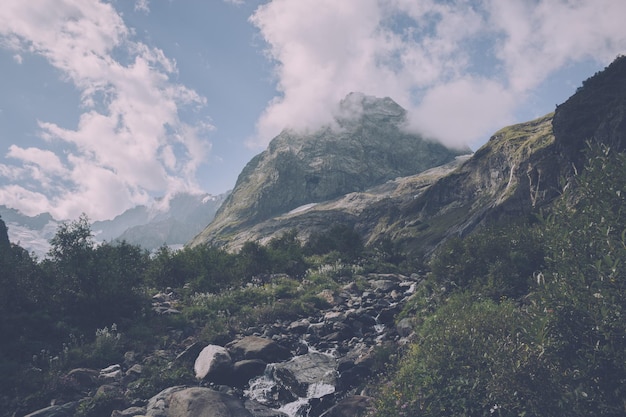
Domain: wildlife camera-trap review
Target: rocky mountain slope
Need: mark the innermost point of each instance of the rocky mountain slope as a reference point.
(365, 147)
(519, 169)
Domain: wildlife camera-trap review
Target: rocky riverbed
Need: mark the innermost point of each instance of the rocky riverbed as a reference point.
(314, 366)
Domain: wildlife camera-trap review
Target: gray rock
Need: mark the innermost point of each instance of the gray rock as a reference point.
(302, 371)
(353, 406)
(84, 377)
(65, 410)
(245, 370)
(129, 412)
(159, 404)
(405, 327)
(213, 363)
(254, 347)
(384, 285)
(259, 410)
(201, 402)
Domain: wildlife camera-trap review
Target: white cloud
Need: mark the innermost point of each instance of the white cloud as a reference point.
(130, 141)
(460, 67)
(46, 160)
(142, 6)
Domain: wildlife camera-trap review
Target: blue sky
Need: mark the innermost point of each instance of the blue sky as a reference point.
(108, 104)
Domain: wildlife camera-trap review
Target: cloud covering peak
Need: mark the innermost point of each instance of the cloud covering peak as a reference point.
(460, 67)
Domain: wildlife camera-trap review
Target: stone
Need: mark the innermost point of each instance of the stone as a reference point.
(111, 374)
(213, 363)
(84, 377)
(158, 405)
(245, 370)
(65, 410)
(353, 406)
(129, 412)
(405, 327)
(384, 285)
(200, 402)
(255, 347)
(259, 410)
(300, 326)
(302, 371)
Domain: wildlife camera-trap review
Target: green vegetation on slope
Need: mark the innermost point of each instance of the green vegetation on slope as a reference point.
(526, 319)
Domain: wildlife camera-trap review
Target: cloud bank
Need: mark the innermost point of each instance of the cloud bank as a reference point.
(130, 140)
(461, 67)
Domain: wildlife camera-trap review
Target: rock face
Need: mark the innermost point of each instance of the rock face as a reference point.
(367, 146)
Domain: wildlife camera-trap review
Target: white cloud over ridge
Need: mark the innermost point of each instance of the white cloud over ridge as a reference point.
(461, 67)
(130, 140)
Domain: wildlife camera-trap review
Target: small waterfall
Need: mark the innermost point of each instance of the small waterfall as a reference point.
(261, 388)
(265, 390)
(301, 406)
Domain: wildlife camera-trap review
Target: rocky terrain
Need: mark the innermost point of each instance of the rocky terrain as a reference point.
(314, 366)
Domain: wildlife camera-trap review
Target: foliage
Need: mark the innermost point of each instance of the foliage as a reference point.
(473, 358)
(586, 285)
(341, 239)
(526, 319)
(499, 261)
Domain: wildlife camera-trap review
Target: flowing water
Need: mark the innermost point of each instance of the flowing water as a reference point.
(265, 390)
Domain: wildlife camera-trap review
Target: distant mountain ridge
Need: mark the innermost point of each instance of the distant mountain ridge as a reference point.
(150, 227)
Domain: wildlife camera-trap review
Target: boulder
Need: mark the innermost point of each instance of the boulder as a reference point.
(298, 374)
(213, 363)
(245, 370)
(65, 410)
(405, 326)
(159, 404)
(129, 412)
(255, 347)
(384, 285)
(259, 410)
(353, 406)
(84, 377)
(198, 402)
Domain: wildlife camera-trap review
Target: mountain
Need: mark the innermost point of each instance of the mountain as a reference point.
(519, 170)
(172, 222)
(30, 232)
(365, 147)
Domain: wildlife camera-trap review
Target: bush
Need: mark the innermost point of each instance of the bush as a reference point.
(473, 358)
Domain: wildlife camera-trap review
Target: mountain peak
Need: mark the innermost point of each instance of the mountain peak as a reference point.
(357, 107)
(368, 148)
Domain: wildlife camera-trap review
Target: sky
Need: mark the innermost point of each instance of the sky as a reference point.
(107, 104)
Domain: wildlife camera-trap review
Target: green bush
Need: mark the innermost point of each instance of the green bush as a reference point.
(473, 358)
